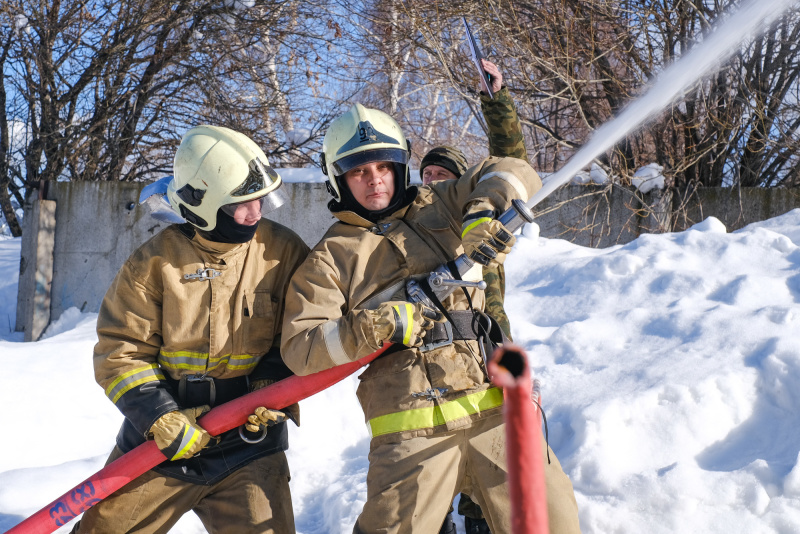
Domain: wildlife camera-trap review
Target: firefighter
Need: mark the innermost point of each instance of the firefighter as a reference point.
(450, 163)
(435, 419)
(192, 320)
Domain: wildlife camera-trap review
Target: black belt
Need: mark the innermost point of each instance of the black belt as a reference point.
(197, 390)
(464, 326)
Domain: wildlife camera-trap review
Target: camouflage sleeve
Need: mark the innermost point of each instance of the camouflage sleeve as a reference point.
(495, 294)
(505, 130)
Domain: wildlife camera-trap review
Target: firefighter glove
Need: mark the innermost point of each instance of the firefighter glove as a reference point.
(178, 435)
(292, 411)
(485, 239)
(403, 322)
(264, 417)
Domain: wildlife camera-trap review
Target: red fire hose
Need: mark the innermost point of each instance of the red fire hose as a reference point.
(509, 369)
(146, 456)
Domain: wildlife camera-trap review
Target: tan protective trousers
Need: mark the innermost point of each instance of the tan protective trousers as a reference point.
(253, 499)
(411, 484)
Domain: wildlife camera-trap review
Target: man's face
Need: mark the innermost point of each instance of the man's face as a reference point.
(372, 184)
(434, 173)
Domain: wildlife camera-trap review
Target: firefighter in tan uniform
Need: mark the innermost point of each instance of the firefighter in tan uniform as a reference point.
(192, 320)
(449, 163)
(434, 417)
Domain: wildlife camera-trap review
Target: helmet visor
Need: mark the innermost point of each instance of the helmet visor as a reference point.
(260, 178)
(269, 202)
(230, 209)
(395, 155)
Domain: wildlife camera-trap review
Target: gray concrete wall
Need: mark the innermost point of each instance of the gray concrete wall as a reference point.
(36, 270)
(599, 216)
(99, 224)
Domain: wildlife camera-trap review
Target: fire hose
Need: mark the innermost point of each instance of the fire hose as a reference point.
(146, 456)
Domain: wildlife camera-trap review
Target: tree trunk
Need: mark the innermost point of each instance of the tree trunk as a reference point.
(8, 211)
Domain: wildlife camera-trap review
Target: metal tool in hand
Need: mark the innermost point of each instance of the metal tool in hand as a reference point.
(442, 284)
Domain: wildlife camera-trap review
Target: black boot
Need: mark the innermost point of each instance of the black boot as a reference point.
(448, 527)
(476, 526)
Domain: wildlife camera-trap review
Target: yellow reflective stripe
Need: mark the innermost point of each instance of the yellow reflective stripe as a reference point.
(242, 361)
(408, 321)
(473, 224)
(233, 367)
(200, 361)
(129, 380)
(432, 416)
(186, 444)
(184, 359)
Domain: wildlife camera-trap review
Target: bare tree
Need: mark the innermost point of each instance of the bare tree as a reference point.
(104, 88)
(261, 72)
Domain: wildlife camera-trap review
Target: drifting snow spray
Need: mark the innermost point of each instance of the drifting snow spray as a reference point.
(715, 50)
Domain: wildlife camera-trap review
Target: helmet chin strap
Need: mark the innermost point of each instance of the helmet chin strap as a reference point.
(228, 230)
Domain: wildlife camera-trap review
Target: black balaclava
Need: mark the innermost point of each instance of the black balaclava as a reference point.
(228, 230)
(402, 197)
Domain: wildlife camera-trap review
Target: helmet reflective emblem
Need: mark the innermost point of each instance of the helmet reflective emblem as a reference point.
(366, 134)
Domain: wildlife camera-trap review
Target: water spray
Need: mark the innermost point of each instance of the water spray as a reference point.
(717, 48)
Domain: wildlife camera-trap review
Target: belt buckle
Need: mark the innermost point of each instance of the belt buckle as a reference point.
(448, 328)
(195, 379)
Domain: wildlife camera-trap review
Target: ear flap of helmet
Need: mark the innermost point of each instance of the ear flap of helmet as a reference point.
(323, 164)
(190, 195)
(192, 217)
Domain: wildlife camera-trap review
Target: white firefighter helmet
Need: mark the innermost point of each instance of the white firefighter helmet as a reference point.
(215, 167)
(360, 136)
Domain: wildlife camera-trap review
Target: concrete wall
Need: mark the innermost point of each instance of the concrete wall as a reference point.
(98, 225)
(36, 270)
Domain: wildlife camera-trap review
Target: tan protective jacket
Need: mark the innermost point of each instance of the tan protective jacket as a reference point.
(358, 265)
(154, 321)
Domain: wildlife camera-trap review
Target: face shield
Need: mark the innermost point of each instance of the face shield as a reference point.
(260, 178)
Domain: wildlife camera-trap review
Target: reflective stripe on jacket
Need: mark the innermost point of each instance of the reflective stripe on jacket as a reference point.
(156, 321)
(358, 265)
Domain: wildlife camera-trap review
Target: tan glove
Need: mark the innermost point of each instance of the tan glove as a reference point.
(264, 417)
(485, 239)
(403, 322)
(292, 411)
(178, 435)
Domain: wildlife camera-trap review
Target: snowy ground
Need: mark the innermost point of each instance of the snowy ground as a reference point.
(670, 370)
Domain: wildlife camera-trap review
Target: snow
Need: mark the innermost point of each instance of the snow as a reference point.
(670, 371)
(298, 136)
(596, 175)
(21, 23)
(648, 178)
(645, 179)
